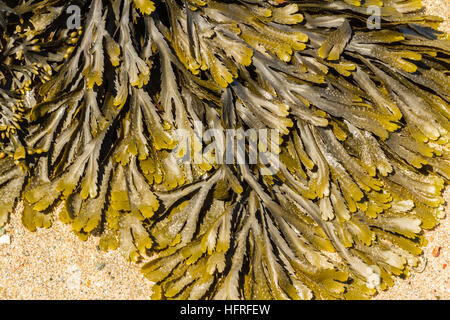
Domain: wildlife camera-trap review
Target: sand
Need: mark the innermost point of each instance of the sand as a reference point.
(54, 264)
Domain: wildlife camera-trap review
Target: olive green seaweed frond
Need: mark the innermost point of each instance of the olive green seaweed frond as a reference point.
(89, 120)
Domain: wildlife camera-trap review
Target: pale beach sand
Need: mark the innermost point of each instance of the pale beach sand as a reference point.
(54, 264)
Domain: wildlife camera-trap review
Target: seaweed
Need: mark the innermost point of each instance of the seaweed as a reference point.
(90, 122)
